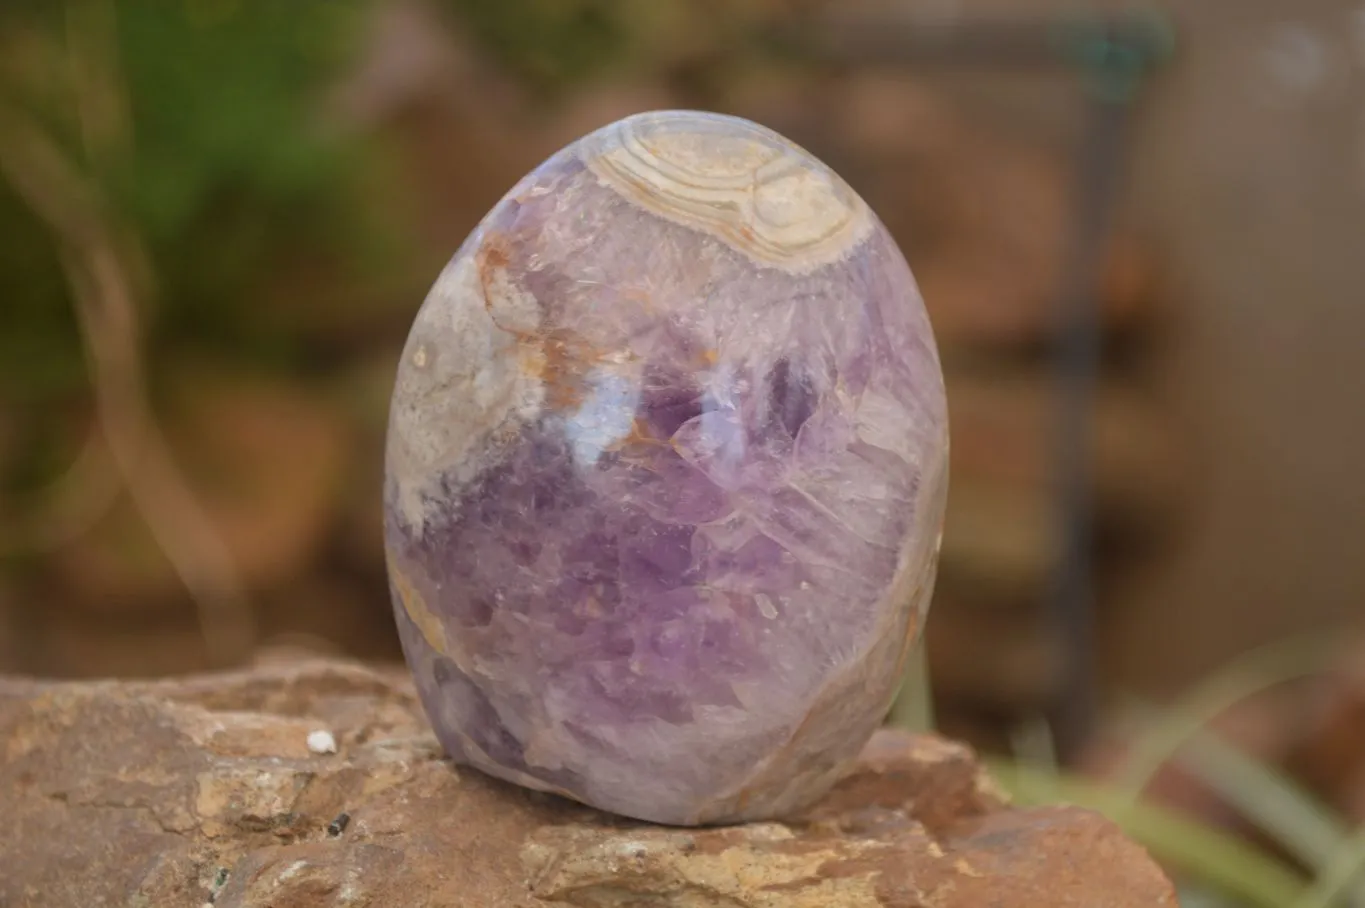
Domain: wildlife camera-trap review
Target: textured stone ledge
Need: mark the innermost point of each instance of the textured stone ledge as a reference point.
(205, 789)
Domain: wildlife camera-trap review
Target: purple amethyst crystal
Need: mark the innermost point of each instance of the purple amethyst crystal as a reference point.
(666, 476)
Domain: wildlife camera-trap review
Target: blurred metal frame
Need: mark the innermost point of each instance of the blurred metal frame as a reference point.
(1112, 55)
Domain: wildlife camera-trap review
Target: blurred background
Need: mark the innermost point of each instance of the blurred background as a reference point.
(217, 219)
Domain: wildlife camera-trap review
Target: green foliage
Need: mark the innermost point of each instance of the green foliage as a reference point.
(553, 45)
(40, 353)
(1222, 864)
(226, 164)
(230, 166)
(1213, 857)
(209, 148)
(549, 43)
(223, 102)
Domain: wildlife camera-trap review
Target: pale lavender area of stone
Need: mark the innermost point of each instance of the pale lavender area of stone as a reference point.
(651, 582)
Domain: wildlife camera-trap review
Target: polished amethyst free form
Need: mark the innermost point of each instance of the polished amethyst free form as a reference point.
(666, 475)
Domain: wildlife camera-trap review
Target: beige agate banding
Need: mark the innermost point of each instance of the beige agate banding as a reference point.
(735, 180)
(416, 608)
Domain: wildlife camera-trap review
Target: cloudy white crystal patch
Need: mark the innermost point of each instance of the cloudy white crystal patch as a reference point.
(463, 378)
(605, 417)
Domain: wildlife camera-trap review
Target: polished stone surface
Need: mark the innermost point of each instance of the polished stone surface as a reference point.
(667, 467)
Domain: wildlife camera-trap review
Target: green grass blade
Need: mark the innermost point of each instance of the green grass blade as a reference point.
(1214, 857)
(1033, 744)
(914, 705)
(1277, 804)
(1258, 670)
(1344, 872)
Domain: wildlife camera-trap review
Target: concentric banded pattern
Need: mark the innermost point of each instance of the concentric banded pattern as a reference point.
(735, 180)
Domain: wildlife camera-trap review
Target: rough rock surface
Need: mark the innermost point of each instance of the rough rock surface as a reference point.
(666, 476)
(185, 792)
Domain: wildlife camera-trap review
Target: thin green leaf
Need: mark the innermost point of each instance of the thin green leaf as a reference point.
(1258, 670)
(1218, 859)
(1033, 744)
(1277, 804)
(914, 705)
(1344, 872)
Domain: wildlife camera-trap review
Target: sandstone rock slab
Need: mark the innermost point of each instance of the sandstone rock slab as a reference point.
(204, 790)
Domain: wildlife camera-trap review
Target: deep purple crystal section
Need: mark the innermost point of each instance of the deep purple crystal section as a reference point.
(664, 494)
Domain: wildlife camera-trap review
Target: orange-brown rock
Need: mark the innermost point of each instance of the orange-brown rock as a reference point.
(205, 789)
